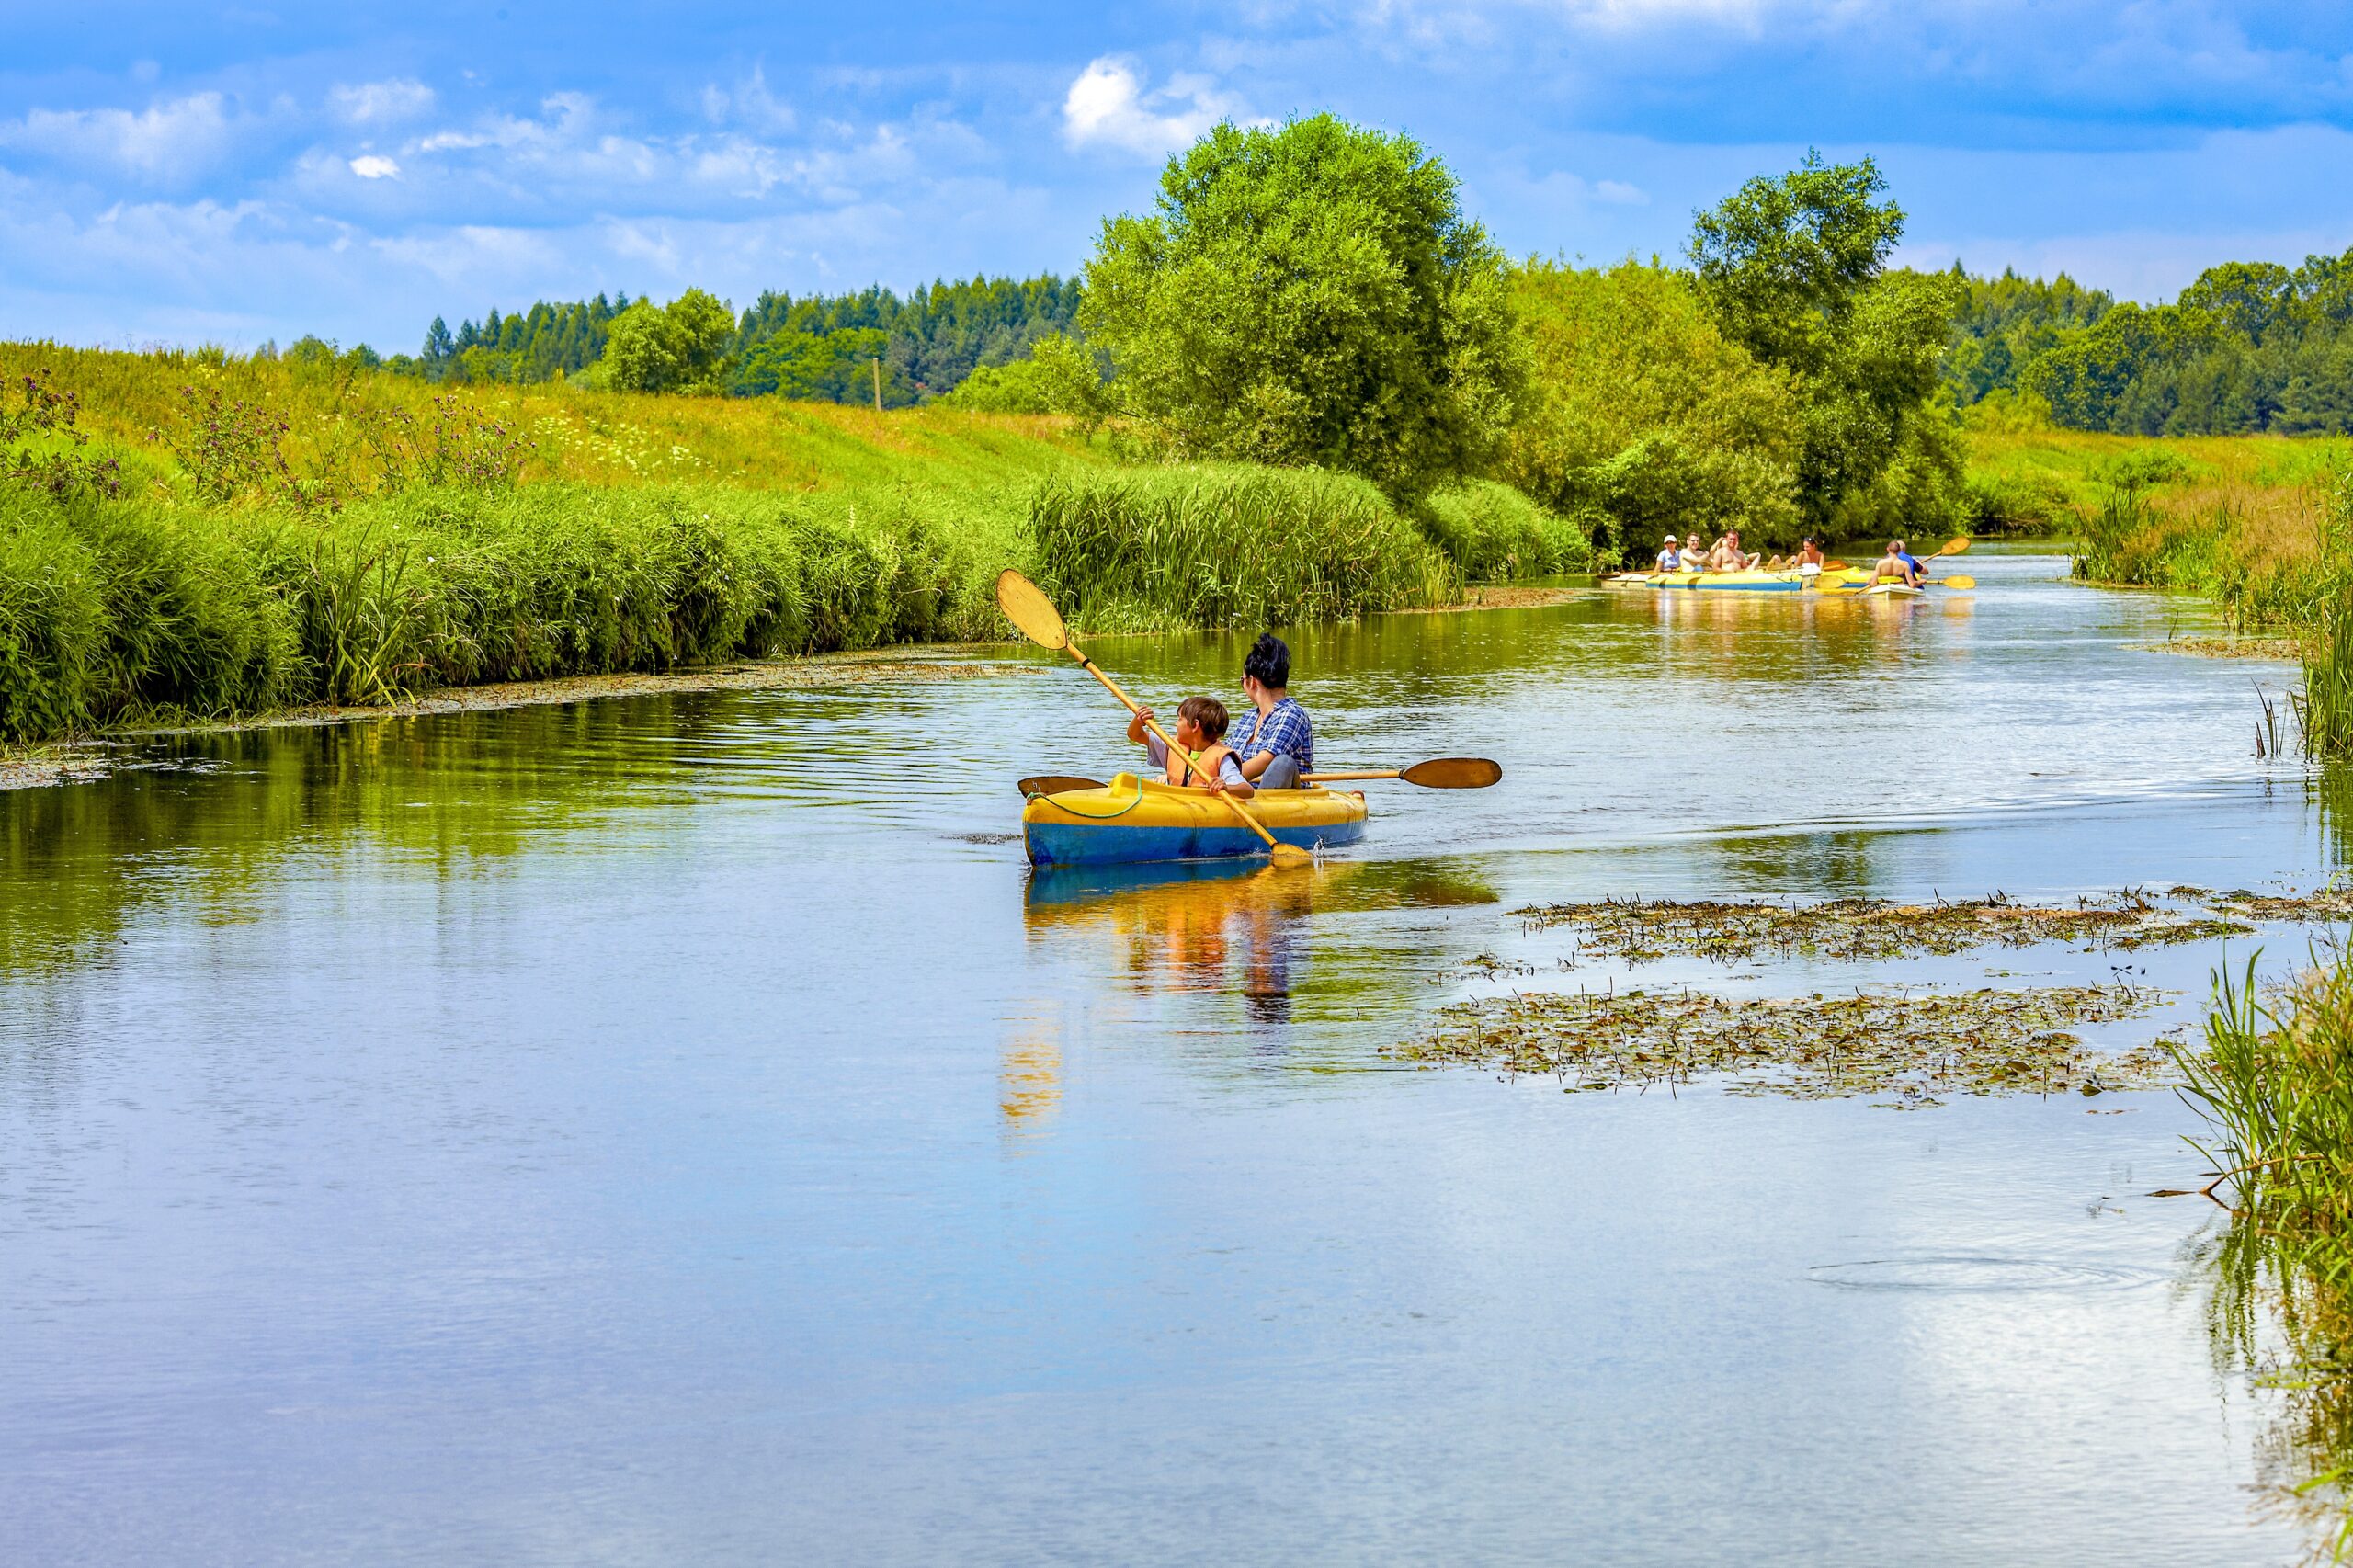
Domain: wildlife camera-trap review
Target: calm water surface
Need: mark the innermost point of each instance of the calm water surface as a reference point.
(681, 1129)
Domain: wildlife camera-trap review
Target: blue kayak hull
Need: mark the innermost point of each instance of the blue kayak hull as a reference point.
(1109, 843)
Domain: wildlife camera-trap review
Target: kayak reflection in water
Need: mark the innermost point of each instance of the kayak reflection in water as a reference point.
(1275, 740)
(1200, 728)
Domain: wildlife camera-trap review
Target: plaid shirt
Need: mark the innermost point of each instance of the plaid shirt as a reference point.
(1284, 732)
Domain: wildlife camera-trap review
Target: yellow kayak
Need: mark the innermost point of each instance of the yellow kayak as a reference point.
(1759, 582)
(1131, 819)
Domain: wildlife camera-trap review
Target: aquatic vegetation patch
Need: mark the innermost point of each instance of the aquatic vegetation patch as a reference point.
(1914, 1046)
(1640, 931)
(2224, 647)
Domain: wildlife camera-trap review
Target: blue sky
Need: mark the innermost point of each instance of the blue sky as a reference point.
(181, 173)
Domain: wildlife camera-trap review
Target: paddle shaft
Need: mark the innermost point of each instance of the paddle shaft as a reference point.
(1374, 773)
(1167, 740)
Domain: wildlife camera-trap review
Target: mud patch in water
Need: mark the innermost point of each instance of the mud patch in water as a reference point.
(1910, 1047)
(1639, 931)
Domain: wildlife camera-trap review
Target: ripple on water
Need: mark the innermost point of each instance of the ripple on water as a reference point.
(1981, 1273)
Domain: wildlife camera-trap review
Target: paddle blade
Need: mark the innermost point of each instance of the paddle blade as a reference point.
(1834, 566)
(1954, 546)
(1453, 773)
(1290, 855)
(1032, 613)
(1057, 784)
(1957, 582)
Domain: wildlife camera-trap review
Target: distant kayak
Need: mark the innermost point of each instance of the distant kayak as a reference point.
(1132, 820)
(1758, 582)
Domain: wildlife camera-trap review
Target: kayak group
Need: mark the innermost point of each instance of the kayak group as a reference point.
(1686, 558)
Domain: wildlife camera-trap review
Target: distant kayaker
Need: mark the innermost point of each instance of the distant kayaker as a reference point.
(1896, 567)
(1274, 740)
(1201, 727)
(1670, 558)
(1694, 558)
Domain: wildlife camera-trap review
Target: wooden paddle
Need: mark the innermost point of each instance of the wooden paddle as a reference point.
(1439, 773)
(1057, 784)
(1034, 615)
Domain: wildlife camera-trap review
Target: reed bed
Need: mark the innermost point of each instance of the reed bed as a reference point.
(1227, 545)
(2274, 1079)
(118, 612)
(2273, 547)
(201, 535)
(1493, 533)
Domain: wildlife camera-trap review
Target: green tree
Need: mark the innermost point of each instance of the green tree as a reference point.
(1794, 269)
(1782, 263)
(680, 346)
(1641, 409)
(1310, 295)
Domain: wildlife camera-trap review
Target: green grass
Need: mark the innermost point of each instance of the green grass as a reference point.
(1227, 545)
(1493, 533)
(2263, 525)
(2274, 1079)
(289, 536)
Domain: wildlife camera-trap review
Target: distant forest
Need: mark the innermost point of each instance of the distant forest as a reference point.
(818, 348)
(2249, 347)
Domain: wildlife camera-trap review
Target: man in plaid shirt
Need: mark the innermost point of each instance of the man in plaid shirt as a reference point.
(1274, 740)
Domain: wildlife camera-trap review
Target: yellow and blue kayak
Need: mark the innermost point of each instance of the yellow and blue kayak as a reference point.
(1132, 820)
(1747, 582)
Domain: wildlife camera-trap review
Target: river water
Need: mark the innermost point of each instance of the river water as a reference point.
(682, 1130)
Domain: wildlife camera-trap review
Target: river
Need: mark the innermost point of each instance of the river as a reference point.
(682, 1130)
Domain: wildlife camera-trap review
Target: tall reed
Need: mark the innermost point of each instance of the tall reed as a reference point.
(2275, 1083)
(1227, 545)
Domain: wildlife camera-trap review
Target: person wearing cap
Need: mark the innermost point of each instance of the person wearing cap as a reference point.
(1670, 558)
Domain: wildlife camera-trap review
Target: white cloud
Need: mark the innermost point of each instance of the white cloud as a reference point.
(166, 141)
(1109, 105)
(379, 103)
(375, 166)
(748, 103)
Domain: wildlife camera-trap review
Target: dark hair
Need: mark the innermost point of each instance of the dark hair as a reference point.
(1268, 662)
(1207, 712)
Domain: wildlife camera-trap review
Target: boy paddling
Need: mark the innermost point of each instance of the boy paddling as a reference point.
(1201, 726)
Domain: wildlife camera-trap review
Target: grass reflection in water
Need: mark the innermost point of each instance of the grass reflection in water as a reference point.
(2275, 1079)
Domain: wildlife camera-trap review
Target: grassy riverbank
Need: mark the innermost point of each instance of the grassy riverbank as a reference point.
(2262, 526)
(230, 537)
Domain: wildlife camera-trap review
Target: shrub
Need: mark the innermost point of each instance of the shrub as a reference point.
(1227, 546)
(1492, 532)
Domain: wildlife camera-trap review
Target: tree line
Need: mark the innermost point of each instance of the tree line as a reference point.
(2246, 348)
(820, 347)
(1313, 295)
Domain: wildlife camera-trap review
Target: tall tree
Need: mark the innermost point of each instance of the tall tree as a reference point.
(1312, 294)
(1794, 269)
